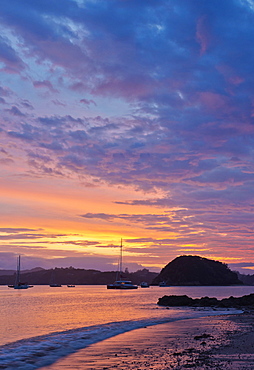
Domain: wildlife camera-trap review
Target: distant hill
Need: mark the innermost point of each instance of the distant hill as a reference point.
(246, 279)
(7, 272)
(33, 270)
(70, 275)
(195, 270)
(12, 272)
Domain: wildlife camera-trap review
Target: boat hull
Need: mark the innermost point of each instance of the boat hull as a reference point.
(144, 285)
(23, 287)
(121, 287)
(20, 286)
(55, 285)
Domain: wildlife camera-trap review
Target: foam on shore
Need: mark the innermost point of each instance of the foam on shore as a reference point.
(201, 343)
(44, 350)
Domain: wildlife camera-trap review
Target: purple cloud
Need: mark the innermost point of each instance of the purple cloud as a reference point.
(169, 88)
(44, 84)
(15, 111)
(8, 56)
(57, 102)
(16, 230)
(87, 102)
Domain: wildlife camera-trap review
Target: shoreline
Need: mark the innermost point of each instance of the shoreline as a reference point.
(212, 342)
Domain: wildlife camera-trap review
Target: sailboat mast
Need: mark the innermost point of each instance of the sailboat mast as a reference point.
(121, 257)
(18, 271)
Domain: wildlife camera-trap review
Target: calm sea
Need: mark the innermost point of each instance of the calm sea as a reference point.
(41, 324)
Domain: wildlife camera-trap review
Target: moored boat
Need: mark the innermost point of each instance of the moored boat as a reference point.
(55, 285)
(18, 284)
(23, 286)
(52, 282)
(144, 284)
(121, 283)
(163, 284)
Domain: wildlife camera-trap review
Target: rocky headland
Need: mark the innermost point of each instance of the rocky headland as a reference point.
(196, 271)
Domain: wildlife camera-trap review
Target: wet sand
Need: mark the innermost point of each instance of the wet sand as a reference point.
(238, 354)
(215, 342)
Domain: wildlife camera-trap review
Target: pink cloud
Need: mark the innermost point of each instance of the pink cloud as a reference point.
(214, 101)
(88, 102)
(202, 35)
(44, 84)
(57, 102)
(231, 76)
(78, 86)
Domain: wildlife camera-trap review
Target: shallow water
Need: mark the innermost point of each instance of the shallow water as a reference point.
(41, 324)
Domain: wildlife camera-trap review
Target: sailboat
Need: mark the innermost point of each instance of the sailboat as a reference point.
(52, 283)
(120, 283)
(18, 284)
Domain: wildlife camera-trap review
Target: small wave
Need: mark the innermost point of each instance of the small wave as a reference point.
(36, 352)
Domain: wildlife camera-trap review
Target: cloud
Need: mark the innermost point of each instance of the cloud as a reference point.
(25, 132)
(44, 84)
(57, 102)
(102, 216)
(201, 34)
(15, 230)
(87, 102)
(8, 260)
(26, 104)
(169, 87)
(25, 236)
(15, 111)
(8, 56)
(5, 91)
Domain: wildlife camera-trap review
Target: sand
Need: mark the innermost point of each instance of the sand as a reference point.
(215, 342)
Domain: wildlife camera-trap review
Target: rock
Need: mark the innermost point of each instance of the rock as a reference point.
(203, 336)
(175, 300)
(184, 300)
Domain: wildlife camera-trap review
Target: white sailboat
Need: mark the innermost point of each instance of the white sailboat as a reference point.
(121, 283)
(18, 284)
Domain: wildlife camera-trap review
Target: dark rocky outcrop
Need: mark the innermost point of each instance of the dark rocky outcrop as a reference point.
(195, 270)
(184, 300)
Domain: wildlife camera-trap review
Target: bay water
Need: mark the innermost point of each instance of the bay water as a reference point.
(42, 324)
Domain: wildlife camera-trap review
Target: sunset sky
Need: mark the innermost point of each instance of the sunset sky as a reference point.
(129, 119)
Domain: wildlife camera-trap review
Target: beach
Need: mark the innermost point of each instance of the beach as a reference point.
(214, 342)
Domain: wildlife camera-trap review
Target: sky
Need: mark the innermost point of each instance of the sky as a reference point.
(126, 119)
